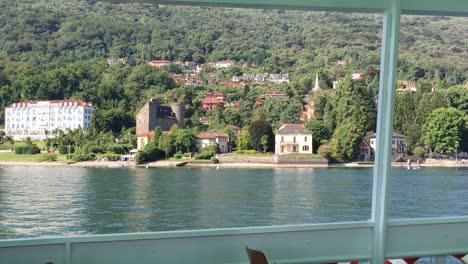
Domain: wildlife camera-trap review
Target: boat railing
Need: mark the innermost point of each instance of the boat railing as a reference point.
(310, 243)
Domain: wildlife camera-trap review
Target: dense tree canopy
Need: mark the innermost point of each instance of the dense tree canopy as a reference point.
(58, 50)
(443, 130)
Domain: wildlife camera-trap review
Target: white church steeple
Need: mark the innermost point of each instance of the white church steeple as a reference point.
(317, 85)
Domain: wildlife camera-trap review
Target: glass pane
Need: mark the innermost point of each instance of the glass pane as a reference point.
(430, 174)
(233, 73)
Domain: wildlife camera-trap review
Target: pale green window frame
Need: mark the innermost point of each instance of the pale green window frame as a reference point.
(375, 239)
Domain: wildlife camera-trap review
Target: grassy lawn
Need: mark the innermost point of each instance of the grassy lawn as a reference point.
(301, 155)
(27, 158)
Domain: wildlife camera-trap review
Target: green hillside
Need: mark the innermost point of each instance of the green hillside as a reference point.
(58, 49)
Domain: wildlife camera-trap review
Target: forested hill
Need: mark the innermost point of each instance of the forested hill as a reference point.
(57, 49)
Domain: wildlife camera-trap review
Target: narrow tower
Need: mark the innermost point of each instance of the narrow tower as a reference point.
(178, 110)
(317, 86)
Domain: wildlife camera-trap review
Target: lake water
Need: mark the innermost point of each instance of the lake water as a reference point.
(44, 201)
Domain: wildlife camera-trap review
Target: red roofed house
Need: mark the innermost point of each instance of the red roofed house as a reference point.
(211, 100)
(211, 138)
(364, 150)
(293, 138)
(159, 63)
(146, 137)
(193, 81)
(143, 139)
(308, 110)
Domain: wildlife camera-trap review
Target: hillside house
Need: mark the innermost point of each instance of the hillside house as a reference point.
(211, 100)
(194, 81)
(357, 76)
(408, 86)
(364, 150)
(279, 78)
(273, 94)
(308, 110)
(224, 64)
(159, 63)
(293, 138)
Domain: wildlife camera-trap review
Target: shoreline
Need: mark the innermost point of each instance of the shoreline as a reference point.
(172, 164)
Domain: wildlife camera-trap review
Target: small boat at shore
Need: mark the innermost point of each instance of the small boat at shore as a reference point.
(115, 166)
(181, 164)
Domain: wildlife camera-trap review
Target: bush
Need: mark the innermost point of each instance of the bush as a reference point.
(29, 149)
(111, 156)
(186, 155)
(64, 149)
(152, 152)
(206, 153)
(49, 157)
(140, 157)
(116, 148)
(178, 155)
(325, 151)
(83, 157)
(419, 152)
(95, 149)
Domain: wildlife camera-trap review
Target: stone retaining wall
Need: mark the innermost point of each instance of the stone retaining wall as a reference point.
(280, 159)
(246, 159)
(284, 159)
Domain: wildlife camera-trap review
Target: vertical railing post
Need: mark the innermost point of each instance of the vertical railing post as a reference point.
(383, 158)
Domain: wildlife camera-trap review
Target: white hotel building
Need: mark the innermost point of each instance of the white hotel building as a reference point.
(33, 118)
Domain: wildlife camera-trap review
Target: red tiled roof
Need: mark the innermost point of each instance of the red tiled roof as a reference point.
(151, 133)
(146, 134)
(202, 135)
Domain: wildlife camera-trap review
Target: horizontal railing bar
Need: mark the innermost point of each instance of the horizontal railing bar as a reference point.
(183, 233)
(313, 243)
(419, 221)
(412, 7)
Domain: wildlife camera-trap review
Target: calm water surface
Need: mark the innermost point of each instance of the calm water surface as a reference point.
(44, 201)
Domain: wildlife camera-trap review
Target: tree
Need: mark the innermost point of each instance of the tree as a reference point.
(258, 129)
(2, 136)
(264, 142)
(345, 142)
(320, 132)
(442, 130)
(243, 141)
(419, 152)
(165, 144)
(184, 139)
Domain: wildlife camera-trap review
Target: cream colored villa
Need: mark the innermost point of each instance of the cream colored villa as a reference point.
(293, 138)
(205, 139)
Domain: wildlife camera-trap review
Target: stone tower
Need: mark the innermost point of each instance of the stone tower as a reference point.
(153, 115)
(178, 110)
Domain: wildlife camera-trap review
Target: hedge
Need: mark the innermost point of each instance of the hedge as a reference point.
(29, 149)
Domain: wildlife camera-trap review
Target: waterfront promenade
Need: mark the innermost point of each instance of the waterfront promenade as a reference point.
(168, 164)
